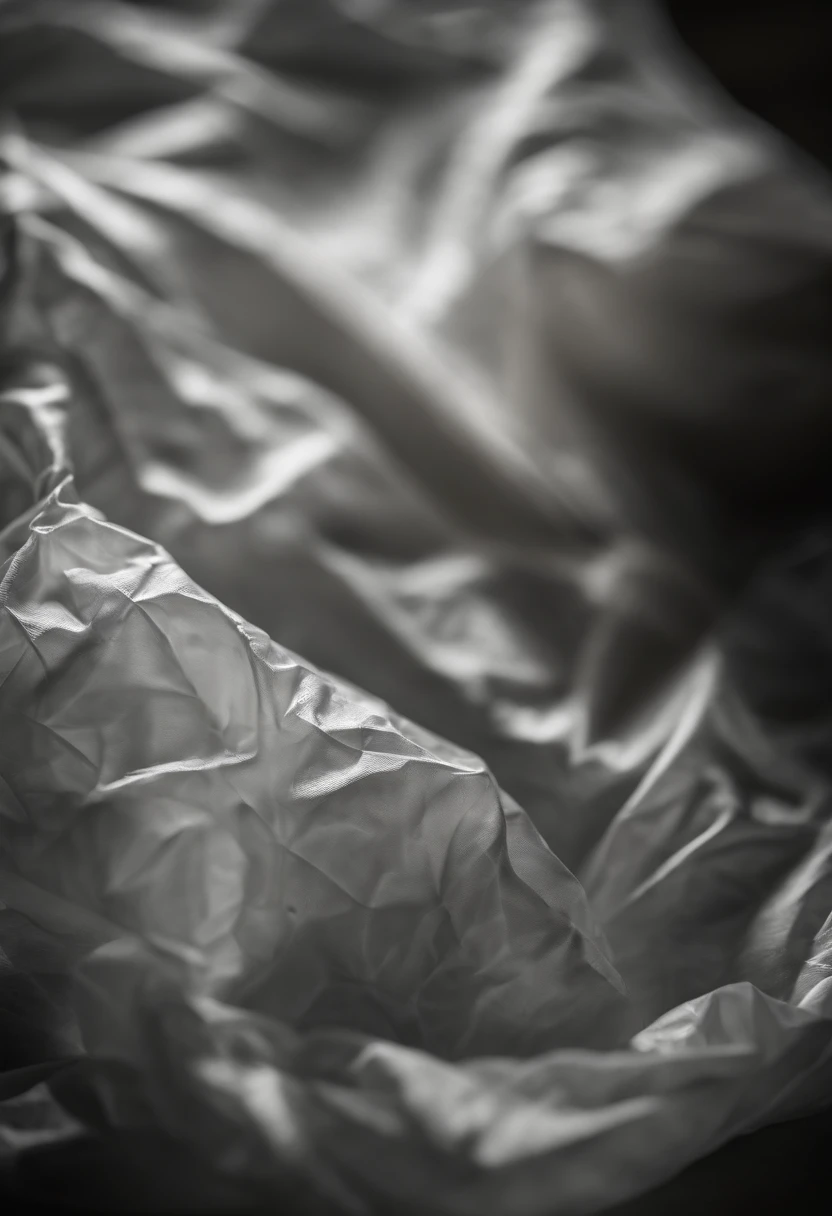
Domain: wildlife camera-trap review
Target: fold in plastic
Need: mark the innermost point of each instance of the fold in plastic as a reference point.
(344, 305)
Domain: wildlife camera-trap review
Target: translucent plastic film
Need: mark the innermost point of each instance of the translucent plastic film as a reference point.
(366, 365)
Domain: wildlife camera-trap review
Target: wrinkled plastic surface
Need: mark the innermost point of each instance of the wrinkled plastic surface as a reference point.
(450, 347)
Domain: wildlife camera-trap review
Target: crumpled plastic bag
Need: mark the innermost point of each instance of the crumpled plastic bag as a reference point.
(427, 340)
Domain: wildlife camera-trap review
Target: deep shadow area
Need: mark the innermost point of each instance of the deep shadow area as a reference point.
(772, 56)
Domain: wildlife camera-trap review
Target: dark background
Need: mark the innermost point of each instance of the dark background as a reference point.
(773, 56)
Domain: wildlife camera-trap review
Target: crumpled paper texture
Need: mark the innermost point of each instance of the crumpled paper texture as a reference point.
(448, 348)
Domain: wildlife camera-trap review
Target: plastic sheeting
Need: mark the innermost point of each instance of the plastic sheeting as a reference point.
(459, 349)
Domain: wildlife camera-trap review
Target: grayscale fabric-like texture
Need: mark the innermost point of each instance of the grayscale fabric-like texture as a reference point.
(372, 364)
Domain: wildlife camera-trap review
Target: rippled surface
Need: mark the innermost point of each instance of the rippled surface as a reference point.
(451, 349)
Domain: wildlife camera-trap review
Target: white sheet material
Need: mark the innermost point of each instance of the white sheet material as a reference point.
(411, 342)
